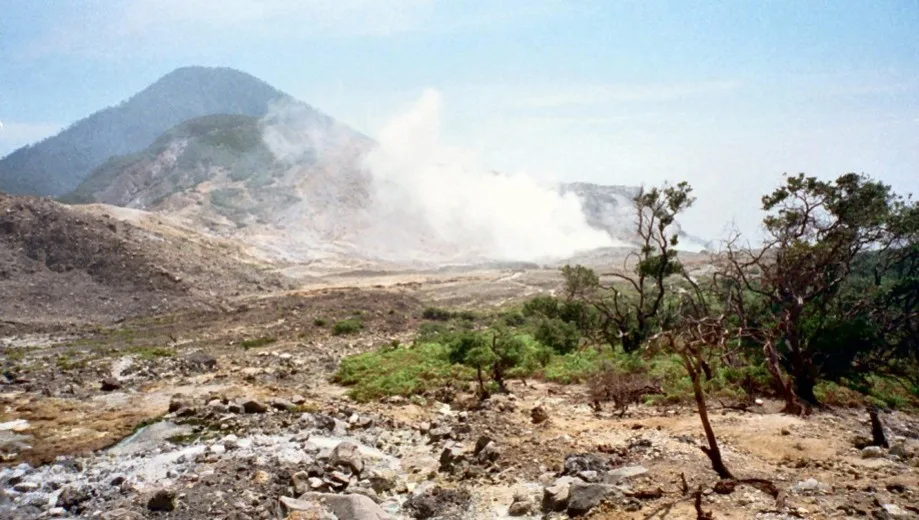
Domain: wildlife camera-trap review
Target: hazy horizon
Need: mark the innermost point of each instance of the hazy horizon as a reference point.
(725, 95)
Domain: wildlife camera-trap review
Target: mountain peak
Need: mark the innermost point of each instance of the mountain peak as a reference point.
(60, 163)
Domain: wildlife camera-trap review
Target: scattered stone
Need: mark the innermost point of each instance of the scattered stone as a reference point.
(201, 360)
(350, 506)
(162, 500)
(71, 498)
(26, 487)
(625, 473)
(810, 486)
(261, 477)
(253, 406)
(524, 503)
(300, 481)
(582, 497)
(433, 501)
(217, 449)
(578, 462)
(892, 512)
(282, 404)
(297, 399)
(450, 456)
(539, 415)
(439, 434)
(305, 509)
(872, 452)
(555, 497)
(347, 454)
(382, 480)
(899, 450)
(110, 384)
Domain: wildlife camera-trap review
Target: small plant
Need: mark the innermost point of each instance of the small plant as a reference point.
(437, 314)
(320, 322)
(258, 342)
(347, 326)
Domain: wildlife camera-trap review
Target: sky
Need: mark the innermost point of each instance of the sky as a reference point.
(727, 95)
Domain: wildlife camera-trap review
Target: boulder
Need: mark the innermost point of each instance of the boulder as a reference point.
(872, 452)
(110, 383)
(348, 455)
(305, 509)
(348, 507)
(625, 473)
(162, 500)
(555, 497)
(254, 406)
(539, 415)
(582, 497)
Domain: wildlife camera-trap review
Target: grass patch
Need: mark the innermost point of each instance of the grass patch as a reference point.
(574, 367)
(401, 371)
(347, 326)
(258, 342)
(151, 353)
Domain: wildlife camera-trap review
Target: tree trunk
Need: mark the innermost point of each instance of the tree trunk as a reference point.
(792, 404)
(713, 452)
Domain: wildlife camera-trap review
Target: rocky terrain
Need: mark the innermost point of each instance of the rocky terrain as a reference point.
(60, 264)
(230, 413)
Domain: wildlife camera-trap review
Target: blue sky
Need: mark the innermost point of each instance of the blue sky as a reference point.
(726, 94)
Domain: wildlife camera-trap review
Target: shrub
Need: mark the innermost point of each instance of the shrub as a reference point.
(320, 322)
(574, 367)
(620, 388)
(401, 371)
(347, 326)
(257, 342)
(545, 306)
(436, 314)
(558, 335)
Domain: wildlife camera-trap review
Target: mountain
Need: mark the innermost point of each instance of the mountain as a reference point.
(60, 163)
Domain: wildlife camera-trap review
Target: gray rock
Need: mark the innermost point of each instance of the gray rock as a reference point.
(72, 498)
(555, 497)
(300, 481)
(892, 512)
(625, 473)
(26, 487)
(110, 384)
(899, 450)
(162, 500)
(310, 509)
(872, 452)
(525, 502)
(282, 404)
(439, 434)
(201, 360)
(347, 454)
(810, 486)
(254, 406)
(583, 497)
(348, 507)
(451, 456)
(383, 480)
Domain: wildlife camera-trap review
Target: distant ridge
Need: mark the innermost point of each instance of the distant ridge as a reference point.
(60, 163)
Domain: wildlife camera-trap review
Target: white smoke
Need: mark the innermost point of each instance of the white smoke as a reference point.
(434, 199)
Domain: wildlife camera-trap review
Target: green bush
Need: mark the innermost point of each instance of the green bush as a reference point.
(574, 367)
(437, 314)
(348, 326)
(320, 322)
(400, 370)
(558, 335)
(258, 342)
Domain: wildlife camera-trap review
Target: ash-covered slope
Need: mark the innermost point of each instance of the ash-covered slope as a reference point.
(61, 264)
(58, 164)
